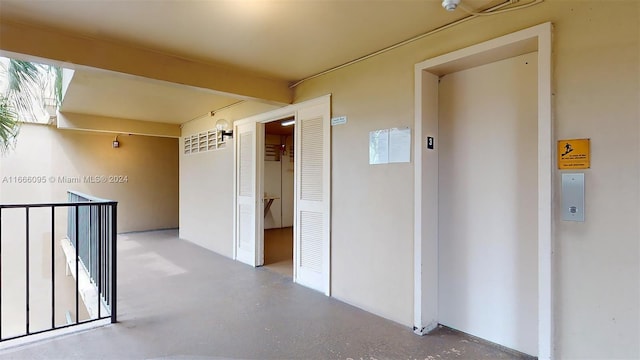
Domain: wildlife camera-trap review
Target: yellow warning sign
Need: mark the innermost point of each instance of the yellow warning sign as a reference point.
(574, 154)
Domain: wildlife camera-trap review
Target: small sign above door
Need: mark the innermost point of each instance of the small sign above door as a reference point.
(340, 120)
(574, 154)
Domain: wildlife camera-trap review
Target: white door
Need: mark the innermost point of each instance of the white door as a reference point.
(488, 202)
(248, 205)
(312, 191)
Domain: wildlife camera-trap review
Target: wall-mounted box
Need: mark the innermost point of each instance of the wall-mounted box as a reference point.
(573, 197)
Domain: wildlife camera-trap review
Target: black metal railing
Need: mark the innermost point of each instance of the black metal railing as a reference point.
(87, 226)
(92, 231)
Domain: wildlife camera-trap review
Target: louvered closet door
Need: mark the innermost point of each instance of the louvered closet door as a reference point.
(312, 233)
(247, 194)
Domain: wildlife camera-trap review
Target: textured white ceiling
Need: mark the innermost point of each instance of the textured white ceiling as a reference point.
(288, 39)
(109, 94)
(282, 39)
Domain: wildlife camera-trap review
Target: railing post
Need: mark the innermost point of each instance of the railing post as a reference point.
(0, 274)
(77, 248)
(27, 267)
(114, 262)
(101, 239)
(53, 267)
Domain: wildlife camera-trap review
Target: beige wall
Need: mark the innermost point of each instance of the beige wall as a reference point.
(147, 201)
(206, 199)
(206, 184)
(596, 78)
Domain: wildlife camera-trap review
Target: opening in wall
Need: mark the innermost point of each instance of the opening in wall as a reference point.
(278, 180)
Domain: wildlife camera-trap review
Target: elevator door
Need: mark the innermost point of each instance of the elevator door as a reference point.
(488, 202)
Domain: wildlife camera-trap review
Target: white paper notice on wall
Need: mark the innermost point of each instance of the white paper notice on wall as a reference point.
(379, 147)
(390, 146)
(399, 145)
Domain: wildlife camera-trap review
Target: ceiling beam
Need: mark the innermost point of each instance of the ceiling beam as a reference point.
(71, 121)
(72, 49)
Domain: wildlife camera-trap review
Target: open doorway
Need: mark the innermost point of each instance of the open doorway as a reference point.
(279, 189)
(312, 190)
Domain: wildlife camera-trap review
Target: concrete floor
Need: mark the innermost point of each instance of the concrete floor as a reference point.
(179, 301)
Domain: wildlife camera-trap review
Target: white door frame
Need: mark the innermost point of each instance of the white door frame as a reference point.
(427, 73)
(277, 114)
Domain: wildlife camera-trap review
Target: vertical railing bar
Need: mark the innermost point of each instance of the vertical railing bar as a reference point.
(99, 232)
(77, 243)
(99, 282)
(107, 275)
(101, 255)
(110, 260)
(53, 268)
(87, 261)
(94, 243)
(91, 241)
(106, 257)
(0, 274)
(105, 230)
(69, 217)
(114, 262)
(27, 267)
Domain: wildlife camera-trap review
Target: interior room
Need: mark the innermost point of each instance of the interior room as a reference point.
(278, 195)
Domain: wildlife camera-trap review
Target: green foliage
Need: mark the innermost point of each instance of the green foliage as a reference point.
(29, 86)
(58, 83)
(9, 126)
(22, 74)
(24, 86)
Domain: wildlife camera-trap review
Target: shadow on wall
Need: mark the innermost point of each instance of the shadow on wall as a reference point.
(141, 174)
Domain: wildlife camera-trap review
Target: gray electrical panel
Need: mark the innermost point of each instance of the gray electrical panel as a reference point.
(573, 197)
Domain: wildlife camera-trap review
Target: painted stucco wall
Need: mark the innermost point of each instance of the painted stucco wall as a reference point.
(32, 158)
(597, 263)
(206, 184)
(142, 174)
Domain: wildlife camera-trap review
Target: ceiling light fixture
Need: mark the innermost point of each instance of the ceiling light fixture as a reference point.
(287, 123)
(497, 9)
(450, 5)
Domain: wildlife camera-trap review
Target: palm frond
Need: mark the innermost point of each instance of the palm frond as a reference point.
(22, 74)
(9, 126)
(58, 84)
(25, 86)
(32, 88)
